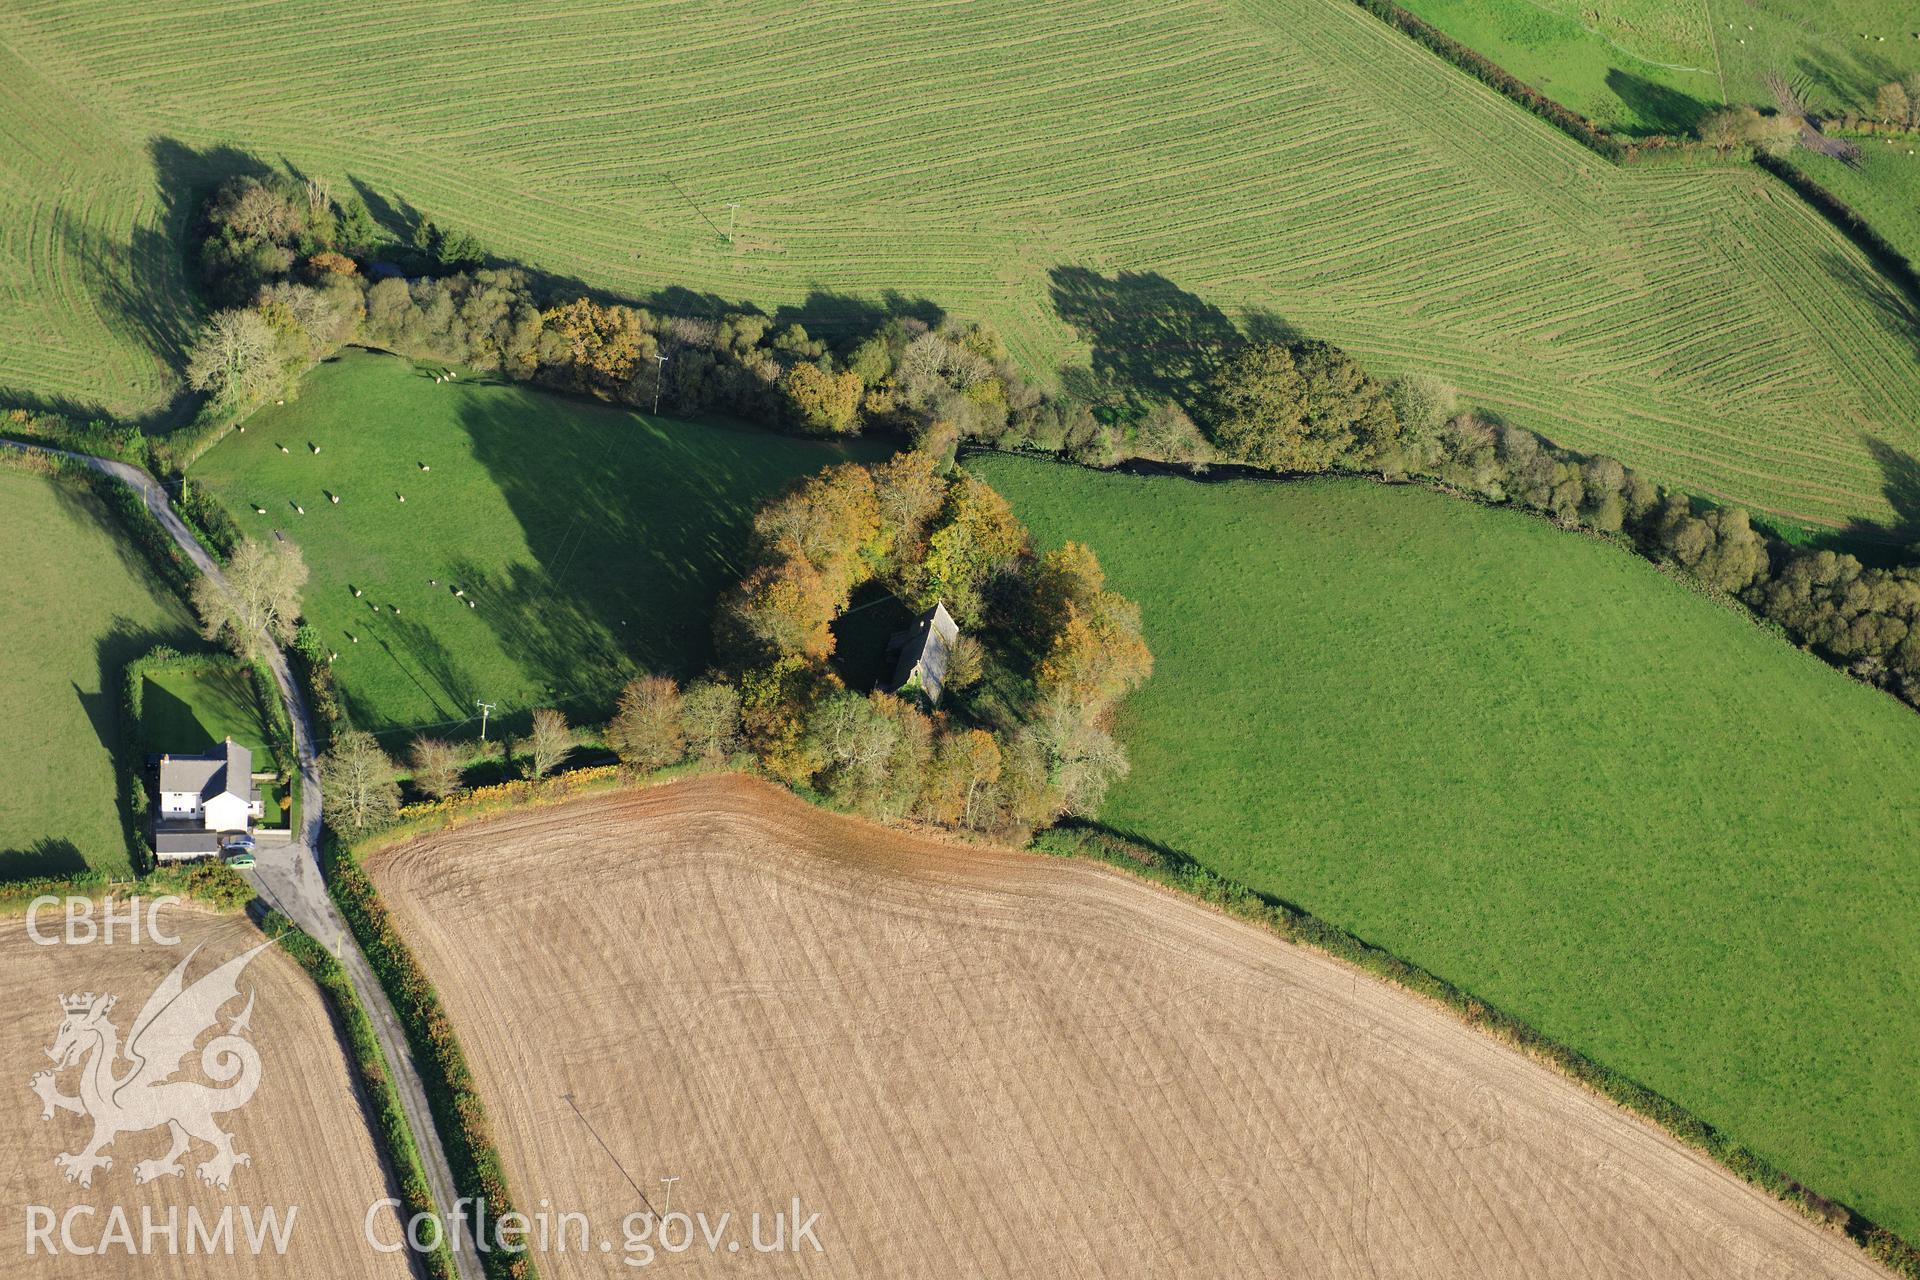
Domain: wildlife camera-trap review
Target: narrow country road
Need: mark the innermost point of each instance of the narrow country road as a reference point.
(288, 876)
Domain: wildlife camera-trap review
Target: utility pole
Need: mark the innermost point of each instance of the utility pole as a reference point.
(486, 709)
(659, 380)
(733, 207)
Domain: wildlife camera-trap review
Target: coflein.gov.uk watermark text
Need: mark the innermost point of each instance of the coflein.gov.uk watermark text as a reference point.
(642, 1238)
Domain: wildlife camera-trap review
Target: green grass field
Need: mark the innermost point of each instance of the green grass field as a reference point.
(1288, 161)
(79, 604)
(190, 711)
(1622, 62)
(1531, 763)
(1885, 189)
(1635, 66)
(586, 538)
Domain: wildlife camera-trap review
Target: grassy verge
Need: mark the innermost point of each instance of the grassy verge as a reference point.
(392, 1131)
(1174, 870)
(458, 1111)
(213, 884)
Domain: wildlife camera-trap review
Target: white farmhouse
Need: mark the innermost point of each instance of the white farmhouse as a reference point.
(202, 798)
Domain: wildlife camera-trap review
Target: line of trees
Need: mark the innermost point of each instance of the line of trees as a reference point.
(1281, 406)
(1866, 620)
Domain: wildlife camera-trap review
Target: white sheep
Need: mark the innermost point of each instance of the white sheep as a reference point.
(334, 498)
(401, 496)
(314, 447)
(458, 592)
(355, 639)
(259, 511)
(297, 507)
(356, 593)
(284, 449)
(471, 605)
(425, 467)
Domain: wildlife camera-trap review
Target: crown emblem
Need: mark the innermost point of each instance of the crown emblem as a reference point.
(81, 1004)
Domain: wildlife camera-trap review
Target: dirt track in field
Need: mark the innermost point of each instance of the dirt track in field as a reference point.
(303, 1127)
(980, 1063)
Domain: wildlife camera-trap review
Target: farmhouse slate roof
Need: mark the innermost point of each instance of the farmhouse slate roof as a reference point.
(227, 769)
(924, 651)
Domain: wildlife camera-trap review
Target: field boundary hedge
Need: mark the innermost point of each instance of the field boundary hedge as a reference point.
(1843, 217)
(393, 1133)
(1498, 78)
(1292, 923)
(213, 884)
(458, 1110)
(1848, 221)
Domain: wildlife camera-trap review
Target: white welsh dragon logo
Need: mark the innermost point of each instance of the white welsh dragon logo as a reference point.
(144, 1094)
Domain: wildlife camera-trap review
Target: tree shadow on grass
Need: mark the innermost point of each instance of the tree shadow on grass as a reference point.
(146, 287)
(1659, 108)
(635, 528)
(48, 856)
(1146, 332)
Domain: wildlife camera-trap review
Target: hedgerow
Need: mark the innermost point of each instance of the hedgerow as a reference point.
(459, 1113)
(394, 1134)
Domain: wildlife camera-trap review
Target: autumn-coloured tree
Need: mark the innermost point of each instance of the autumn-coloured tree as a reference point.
(595, 348)
(646, 732)
(1097, 654)
(329, 263)
(907, 495)
(822, 400)
(775, 701)
(966, 765)
(1065, 578)
(830, 519)
(782, 609)
(976, 532)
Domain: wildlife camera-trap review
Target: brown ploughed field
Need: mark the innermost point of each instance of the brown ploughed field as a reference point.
(972, 1062)
(303, 1126)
